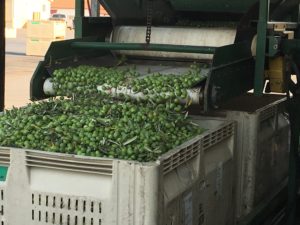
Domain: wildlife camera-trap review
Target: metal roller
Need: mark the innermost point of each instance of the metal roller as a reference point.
(194, 95)
(48, 88)
(214, 37)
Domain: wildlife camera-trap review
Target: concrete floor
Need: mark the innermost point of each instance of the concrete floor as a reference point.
(19, 70)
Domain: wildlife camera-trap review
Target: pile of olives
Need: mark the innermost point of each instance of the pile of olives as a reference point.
(90, 127)
(167, 88)
(89, 122)
(83, 80)
(157, 88)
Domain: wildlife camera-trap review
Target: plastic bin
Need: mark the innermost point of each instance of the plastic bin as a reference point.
(48, 188)
(46, 29)
(263, 136)
(38, 46)
(219, 176)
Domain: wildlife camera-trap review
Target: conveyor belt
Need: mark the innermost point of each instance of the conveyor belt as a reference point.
(194, 94)
(216, 37)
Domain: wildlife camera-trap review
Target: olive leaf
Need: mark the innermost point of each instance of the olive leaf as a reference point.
(130, 141)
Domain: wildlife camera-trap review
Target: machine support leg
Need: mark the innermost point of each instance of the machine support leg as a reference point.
(79, 14)
(2, 54)
(261, 46)
(294, 112)
(95, 8)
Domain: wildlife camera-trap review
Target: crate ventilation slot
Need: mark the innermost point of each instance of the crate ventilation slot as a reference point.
(267, 113)
(69, 163)
(194, 146)
(2, 212)
(216, 137)
(65, 210)
(4, 157)
(201, 216)
(181, 157)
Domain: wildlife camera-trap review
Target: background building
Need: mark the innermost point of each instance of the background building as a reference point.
(67, 7)
(18, 12)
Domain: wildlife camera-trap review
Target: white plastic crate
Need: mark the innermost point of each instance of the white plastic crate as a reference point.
(219, 165)
(262, 146)
(46, 29)
(45, 188)
(39, 46)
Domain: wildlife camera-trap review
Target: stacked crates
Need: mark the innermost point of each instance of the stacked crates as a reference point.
(262, 149)
(214, 178)
(40, 34)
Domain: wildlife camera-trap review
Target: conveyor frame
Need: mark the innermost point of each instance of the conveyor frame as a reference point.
(286, 13)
